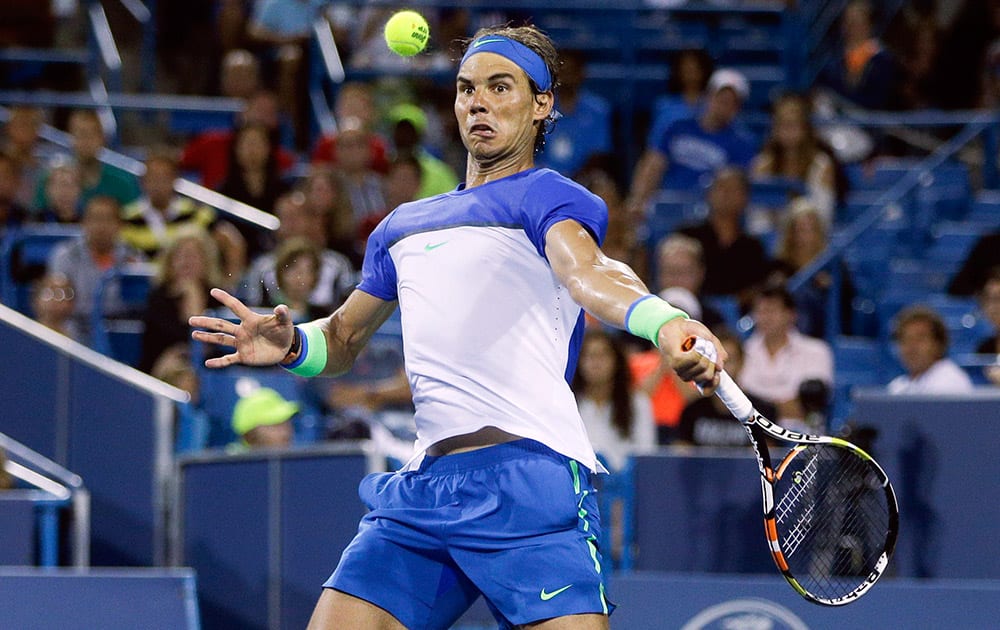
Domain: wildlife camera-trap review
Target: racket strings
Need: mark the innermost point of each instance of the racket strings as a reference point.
(832, 518)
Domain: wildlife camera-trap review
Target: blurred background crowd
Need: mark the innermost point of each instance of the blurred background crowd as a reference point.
(747, 152)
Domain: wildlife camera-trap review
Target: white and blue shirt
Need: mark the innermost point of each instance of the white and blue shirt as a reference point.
(490, 334)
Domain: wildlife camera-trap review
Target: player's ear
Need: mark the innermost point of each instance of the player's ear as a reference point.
(544, 102)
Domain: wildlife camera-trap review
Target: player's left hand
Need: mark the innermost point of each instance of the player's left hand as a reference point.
(691, 365)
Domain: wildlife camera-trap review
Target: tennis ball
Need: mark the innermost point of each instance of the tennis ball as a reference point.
(406, 33)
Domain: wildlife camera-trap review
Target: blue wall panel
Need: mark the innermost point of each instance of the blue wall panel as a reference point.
(87, 600)
(111, 445)
(17, 529)
(225, 521)
(320, 511)
(30, 392)
(945, 467)
(696, 513)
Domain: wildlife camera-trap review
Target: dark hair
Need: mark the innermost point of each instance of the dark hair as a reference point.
(776, 290)
(704, 60)
(532, 37)
(621, 382)
(921, 313)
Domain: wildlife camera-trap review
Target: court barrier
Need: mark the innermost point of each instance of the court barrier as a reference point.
(108, 423)
(109, 599)
(264, 529)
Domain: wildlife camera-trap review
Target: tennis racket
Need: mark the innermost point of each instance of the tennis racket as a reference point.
(830, 513)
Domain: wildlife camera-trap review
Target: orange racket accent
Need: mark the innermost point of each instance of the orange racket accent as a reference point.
(779, 559)
(688, 343)
(772, 529)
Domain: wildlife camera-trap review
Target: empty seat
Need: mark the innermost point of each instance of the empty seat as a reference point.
(24, 255)
(116, 316)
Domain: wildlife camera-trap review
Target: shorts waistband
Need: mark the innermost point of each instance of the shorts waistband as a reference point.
(487, 456)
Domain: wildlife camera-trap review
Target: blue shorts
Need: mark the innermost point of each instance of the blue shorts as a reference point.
(516, 523)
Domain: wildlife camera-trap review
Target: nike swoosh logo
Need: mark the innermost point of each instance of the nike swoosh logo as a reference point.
(547, 596)
(428, 247)
(485, 41)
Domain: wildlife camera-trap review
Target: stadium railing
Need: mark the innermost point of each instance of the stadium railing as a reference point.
(50, 489)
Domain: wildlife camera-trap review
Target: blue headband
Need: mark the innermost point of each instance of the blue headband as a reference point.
(525, 58)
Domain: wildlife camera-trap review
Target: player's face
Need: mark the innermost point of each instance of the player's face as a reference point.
(496, 109)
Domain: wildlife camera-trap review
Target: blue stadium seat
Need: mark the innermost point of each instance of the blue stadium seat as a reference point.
(858, 361)
(119, 334)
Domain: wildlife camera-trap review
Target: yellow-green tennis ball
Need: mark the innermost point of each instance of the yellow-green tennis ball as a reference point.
(406, 33)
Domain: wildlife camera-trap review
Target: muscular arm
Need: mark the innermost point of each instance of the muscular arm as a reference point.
(606, 288)
(350, 327)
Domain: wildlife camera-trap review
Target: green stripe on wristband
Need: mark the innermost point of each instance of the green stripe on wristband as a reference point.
(312, 356)
(647, 314)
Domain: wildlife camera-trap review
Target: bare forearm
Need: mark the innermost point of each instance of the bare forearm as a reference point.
(606, 288)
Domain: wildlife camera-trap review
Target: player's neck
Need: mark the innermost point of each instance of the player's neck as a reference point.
(478, 172)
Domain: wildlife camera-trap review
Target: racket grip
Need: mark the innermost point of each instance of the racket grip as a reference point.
(728, 391)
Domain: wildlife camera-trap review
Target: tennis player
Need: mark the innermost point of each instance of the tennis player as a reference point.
(490, 280)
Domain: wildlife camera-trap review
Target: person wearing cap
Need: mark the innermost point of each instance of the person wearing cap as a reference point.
(263, 419)
(409, 124)
(691, 149)
(491, 281)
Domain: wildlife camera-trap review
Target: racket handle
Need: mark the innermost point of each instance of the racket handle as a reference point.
(728, 391)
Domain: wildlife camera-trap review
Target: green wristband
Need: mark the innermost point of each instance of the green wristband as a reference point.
(647, 314)
(312, 357)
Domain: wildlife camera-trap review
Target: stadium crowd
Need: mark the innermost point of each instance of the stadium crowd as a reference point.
(725, 257)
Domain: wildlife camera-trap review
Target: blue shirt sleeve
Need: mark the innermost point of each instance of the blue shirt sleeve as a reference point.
(554, 199)
(378, 272)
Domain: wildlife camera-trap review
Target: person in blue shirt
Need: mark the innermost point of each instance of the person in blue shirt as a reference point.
(690, 150)
(491, 281)
(582, 137)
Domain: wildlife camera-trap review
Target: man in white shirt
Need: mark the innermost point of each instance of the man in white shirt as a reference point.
(922, 340)
(779, 358)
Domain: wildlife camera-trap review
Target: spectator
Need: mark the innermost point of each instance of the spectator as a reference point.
(300, 221)
(208, 155)
(326, 195)
(690, 70)
(12, 213)
(693, 148)
(364, 185)
(735, 262)
(263, 419)
(706, 421)
(240, 74)
(282, 28)
(354, 107)
(192, 423)
(621, 241)
(21, 143)
(864, 71)
(297, 268)
(403, 181)
(151, 220)
(680, 264)
(989, 303)
(53, 302)
(581, 138)
(778, 358)
(803, 238)
(921, 339)
(409, 124)
(86, 259)
(794, 151)
(96, 177)
(254, 178)
(188, 268)
(654, 377)
(984, 256)
(62, 197)
(619, 419)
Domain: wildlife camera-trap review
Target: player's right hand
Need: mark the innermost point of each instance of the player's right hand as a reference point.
(257, 339)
